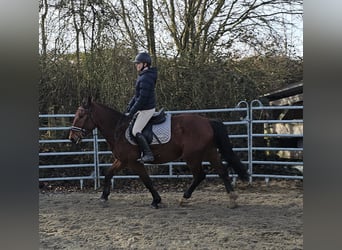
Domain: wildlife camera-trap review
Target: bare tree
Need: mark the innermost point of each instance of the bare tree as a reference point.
(128, 27)
(200, 28)
(87, 46)
(149, 27)
(43, 6)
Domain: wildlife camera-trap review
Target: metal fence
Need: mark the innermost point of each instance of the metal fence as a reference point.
(247, 130)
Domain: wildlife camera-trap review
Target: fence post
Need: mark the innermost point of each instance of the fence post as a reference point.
(250, 135)
(96, 160)
(248, 119)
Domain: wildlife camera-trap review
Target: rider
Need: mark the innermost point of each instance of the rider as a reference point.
(143, 102)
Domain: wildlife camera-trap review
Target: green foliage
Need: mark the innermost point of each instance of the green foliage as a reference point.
(109, 75)
(271, 71)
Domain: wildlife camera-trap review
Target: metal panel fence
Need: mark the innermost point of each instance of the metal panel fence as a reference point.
(60, 160)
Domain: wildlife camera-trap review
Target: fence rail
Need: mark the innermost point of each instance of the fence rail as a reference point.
(243, 120)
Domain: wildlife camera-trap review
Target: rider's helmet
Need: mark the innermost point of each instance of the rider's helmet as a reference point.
(143, 57)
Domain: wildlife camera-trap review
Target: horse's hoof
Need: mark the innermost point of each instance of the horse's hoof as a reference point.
(183, 201)
(233, 197)
(103, 199)
(104, 202)
(155, 206)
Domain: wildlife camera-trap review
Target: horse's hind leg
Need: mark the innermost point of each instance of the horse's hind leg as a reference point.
(198, 177)
(222, 170)
(116, 166)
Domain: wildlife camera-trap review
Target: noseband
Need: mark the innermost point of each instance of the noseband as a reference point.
(77, 129)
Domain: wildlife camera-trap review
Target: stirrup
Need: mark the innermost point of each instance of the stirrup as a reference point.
(146, 158)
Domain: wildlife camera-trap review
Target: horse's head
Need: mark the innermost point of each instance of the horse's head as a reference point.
(83, 122)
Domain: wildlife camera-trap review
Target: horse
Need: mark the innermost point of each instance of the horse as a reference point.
(194, 139)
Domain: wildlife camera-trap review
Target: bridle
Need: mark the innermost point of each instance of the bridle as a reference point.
(78, 129)
(83, 130)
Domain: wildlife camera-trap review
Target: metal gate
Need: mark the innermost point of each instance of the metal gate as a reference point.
(252, 135)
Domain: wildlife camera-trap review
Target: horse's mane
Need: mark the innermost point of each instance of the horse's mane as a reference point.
(112, 110)
(87, 103)
(113, 118)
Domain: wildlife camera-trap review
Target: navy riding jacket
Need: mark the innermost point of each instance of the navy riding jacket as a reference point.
(144, 97)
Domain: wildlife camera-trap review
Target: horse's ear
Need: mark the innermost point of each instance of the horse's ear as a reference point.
(90, 99)
(86, 102)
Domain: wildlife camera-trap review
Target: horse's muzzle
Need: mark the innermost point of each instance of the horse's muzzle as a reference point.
(73, 137)
(76, 134)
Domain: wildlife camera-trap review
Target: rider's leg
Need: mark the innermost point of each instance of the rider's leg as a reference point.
(143, 117)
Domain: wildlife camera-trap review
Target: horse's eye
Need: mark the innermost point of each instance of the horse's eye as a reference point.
(81, 113)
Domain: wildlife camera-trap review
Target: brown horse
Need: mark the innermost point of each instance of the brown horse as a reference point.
(193, 139)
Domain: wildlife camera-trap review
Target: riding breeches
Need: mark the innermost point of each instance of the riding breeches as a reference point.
(142, 119)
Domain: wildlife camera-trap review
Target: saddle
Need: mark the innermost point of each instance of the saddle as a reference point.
(156, 131)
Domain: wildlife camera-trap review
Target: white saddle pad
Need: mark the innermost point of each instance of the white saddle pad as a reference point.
(162, 131)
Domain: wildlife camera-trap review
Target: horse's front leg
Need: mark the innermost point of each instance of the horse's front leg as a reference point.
(116, 166)
(141, 171)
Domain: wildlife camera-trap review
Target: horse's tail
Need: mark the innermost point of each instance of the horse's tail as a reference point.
(226, 149)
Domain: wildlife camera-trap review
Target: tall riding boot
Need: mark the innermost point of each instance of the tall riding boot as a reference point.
(147, 155)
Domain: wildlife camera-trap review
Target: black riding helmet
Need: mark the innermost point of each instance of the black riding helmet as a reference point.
(143, 57)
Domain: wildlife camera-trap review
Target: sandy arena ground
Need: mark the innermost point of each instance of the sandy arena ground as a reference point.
(268, 217)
